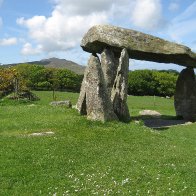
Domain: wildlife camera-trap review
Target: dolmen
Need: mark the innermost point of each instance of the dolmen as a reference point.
(103, 94)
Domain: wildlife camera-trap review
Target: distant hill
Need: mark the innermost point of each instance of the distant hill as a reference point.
(57, 63)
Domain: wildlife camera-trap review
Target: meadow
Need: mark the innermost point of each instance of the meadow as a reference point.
(92, 158)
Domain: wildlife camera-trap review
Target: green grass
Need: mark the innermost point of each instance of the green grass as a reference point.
(86, 158)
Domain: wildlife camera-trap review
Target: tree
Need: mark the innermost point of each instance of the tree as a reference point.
(36, 77)
(165, 83)
(7, 79)
(69, 80)
(152, 82)
(141, 82)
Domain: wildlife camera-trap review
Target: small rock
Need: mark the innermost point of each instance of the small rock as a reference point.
(149, 113)
(74, 107)
(66, 103)
(24, 95)
(31, 105)
(137, 122)
(188, 123)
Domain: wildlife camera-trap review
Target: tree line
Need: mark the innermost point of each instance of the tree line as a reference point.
(35, 77)
(152, 82)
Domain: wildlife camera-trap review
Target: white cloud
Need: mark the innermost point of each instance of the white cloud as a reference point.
(84, 7)
(147, 14)
(183, 26)
(29, 50)
(62, 30)
(1, 2)
(70, 20)
(194, 46)
(8, 41)
(187, 14)
(174, 6)
(34, 22)
(1, 22)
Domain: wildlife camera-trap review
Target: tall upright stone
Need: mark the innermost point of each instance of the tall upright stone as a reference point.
(109, 65)
(119, 91)
(94, 100)
(185, 95)
(81, 104)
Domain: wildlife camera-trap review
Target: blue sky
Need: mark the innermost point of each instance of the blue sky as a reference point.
(34, 30)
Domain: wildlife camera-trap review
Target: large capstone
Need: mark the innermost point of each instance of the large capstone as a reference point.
(119, 91)
(185, 95)
(94, 100)
(139, 45)
(109, 65)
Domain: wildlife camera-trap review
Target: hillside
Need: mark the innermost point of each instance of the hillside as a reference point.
(57, 63)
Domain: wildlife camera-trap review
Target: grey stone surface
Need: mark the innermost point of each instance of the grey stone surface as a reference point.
(149, 113)
(81, 104)
(119, 91)
(109, 65)
(185, 95)
(139, 45)
(94, 100)
(66, 103)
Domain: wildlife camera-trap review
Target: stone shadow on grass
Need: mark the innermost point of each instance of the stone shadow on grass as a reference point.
(163, 122)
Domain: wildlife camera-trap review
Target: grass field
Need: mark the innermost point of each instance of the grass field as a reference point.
(92, 158)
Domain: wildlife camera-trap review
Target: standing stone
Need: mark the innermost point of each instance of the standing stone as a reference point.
(109, 66)
(81, 104)
(119, 91)
(94, 100)
(185, 95)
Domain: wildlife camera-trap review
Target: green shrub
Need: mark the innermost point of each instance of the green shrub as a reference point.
(38, 77)
(151, 82)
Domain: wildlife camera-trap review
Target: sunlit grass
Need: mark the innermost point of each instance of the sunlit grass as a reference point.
(86, 158)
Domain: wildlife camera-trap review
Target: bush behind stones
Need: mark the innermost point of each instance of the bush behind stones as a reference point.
(152, 82)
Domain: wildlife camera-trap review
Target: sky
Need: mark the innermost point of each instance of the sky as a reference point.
(40, 29)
